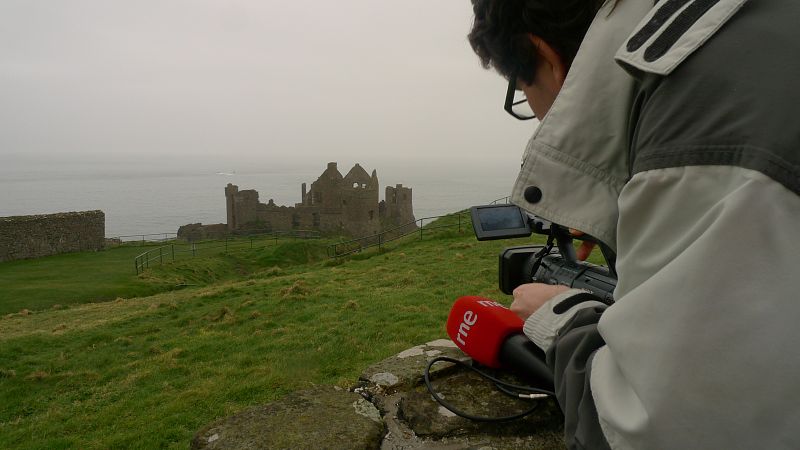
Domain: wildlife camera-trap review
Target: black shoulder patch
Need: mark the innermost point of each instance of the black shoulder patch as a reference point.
(655, 23)
(677, 28)
(673, 31)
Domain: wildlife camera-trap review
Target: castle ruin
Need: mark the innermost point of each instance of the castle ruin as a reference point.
(334, 204)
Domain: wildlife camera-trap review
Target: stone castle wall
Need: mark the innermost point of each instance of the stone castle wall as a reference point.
(194, 232)
(334, 204)
(398, 204)
(23, 237)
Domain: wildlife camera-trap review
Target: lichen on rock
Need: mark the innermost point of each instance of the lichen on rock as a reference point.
(390, 409)
(322, 417)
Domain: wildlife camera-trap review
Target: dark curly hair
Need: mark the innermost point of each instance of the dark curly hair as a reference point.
(499, 34)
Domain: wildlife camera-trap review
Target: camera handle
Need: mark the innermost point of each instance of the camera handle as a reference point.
(563, 240)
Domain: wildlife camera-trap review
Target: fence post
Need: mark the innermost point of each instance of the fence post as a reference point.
(251, 242)
(194, 250)
(142, 240)
(161, 255)
(136, 264)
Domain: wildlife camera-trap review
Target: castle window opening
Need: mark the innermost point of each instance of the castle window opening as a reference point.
(356, 185)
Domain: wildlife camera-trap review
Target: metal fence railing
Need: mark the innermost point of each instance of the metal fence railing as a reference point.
(141, 239)
(380, 239)
(504, 200)
(177, 250)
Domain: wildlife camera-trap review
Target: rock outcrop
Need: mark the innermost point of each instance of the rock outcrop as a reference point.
(318, 418)
(389, 408)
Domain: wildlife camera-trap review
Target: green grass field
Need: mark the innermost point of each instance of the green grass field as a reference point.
(61, 280)
(71, 278)
(148, 372)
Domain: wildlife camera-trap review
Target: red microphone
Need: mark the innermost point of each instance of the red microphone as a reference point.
(492, 335)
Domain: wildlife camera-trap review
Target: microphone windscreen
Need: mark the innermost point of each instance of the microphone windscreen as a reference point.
(479, 326)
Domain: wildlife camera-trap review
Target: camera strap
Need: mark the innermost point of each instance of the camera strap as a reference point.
(551, 239)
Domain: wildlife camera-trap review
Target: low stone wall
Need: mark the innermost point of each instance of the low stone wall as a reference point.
(390, 409)
(23, 237)
(194, 232)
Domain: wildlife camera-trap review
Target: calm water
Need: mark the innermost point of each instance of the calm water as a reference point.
(159, 200)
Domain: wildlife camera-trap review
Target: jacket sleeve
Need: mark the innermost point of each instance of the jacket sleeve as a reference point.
(566, 328)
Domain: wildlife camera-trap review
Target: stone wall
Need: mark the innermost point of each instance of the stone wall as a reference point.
(23, 237)
(390, 409)
(194, 232)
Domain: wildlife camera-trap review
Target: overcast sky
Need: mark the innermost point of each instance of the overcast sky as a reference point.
(243, 82)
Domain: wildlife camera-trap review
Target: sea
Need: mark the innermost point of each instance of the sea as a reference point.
(152, 199)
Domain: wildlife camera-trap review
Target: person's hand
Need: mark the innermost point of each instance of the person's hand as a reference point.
(530, 297)
(585, 248)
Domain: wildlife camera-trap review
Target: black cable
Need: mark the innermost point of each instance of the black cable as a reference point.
(503, 386)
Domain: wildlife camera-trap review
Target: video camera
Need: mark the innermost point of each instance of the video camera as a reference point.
(542, 264)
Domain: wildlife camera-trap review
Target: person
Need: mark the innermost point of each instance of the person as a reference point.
(667, 133)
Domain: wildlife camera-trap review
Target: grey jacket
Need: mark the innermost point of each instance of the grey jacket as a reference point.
(676, 132)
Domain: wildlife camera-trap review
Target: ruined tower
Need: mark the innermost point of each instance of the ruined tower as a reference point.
(398, 204)
(241, 206)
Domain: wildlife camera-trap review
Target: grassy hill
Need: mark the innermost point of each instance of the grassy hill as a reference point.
(148, 372)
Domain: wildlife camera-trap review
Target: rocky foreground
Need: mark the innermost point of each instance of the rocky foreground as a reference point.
(389, 408)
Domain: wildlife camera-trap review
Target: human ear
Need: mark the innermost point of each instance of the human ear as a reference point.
(555, 69)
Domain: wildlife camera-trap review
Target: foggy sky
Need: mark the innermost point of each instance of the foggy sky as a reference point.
(241, 82)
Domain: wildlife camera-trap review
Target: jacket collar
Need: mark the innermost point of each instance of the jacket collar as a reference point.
(578, 156)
